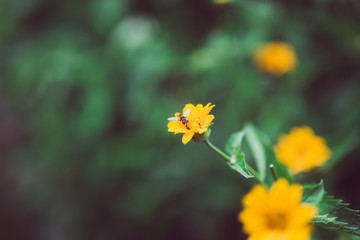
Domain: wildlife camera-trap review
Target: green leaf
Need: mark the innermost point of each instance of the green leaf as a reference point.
(239, 165)
(313, 193)
(233, 145)
(256, 149)
(262, 151)
(281, 170)
(334, 214)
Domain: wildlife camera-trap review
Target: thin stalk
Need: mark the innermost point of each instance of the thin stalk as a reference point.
(214, 148)
(227, 157)
(272, 170)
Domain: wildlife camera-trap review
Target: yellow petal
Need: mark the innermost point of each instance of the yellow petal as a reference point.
(303, 233)
(303, 214)
(188, 106)
(199, 108)
(187, 137)
(282, 190)
(207, 109)
(253, 221)
(208, 120)
(181, 131)
(174, 125)
(201, 130)
(279, 188)
(256, 196)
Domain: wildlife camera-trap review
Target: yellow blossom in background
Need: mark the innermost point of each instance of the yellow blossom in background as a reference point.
(277, 214)
(275, 58)
(222, 2)
(301, 150)
(193, 120)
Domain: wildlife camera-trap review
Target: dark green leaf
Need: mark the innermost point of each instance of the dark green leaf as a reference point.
(334, 214)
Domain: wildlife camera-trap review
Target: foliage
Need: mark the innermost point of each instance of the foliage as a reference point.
(333, 213)
(86, 88)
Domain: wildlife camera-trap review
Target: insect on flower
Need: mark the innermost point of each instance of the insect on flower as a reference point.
(193, 120)
(181, 117)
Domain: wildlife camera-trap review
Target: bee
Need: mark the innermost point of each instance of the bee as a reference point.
(181, 117)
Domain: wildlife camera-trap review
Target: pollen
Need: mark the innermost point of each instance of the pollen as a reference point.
(276, 221)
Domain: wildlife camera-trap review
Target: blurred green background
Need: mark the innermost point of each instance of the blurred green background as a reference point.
(86, 88)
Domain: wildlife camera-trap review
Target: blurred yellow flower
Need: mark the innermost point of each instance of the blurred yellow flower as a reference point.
(277, 214)
(301, 150)
(193, 120)
(222, 2)
(275, 58)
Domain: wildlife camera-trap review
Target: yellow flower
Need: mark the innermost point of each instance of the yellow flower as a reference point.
(276, 58)
(277, 214)
(222, 2)
(301, 150)
(193, 120)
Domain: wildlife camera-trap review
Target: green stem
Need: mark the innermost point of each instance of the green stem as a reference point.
(227, 157)
(221, 153)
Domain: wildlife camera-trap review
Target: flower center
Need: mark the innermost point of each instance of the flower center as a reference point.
(276, 221)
